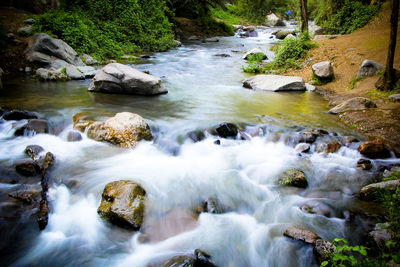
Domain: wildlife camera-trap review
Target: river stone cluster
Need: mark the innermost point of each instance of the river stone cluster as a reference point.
(123, 203)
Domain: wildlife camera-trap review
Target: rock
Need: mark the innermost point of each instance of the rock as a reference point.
(28, 69)
(81, 121)
(227, 130)
(177, 43)
(43, 214)
(222, 55)
(253, 52)
(50, 74)
(303, 148)
(122, 79)
(74, 73)
(124, 129)
(89, 60)
(44, 50)
(303, 235)
(290, 36)
(308, 137)
(310, 88)
(123, 204)
(249, 28)
(16, 115)
(87, 71)
(282, 34)
(217, 142)
(372, 192)
(199, 259)
(368, 68)
(33, 151)
(30, 21)
(275, 83)
(364, 164)
(34, 125)
(356, 103)
(318, 208)
(374, 149)
(395, 98)
(196, 136)
(323, 249)
(272, 20)
(293, 177)
(28, 168)
(211, 206)
(25, 31)
(333, 147)
(211, 40)
(74, 136)
(26, 196)
(380, 235)
(323, 71)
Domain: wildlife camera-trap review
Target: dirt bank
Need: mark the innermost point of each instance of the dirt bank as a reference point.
(347, 52)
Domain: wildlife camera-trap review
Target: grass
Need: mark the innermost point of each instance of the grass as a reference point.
(375, 94)
(353, 83)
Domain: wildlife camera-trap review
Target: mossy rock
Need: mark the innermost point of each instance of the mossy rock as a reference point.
(123, 204)
(293, 177)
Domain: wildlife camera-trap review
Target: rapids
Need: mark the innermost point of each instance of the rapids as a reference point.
(177, 173)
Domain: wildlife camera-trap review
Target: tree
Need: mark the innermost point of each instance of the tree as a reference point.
(389, 78)
(304, 17)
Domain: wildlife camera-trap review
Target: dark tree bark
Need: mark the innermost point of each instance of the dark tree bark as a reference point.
(304, 16)
(389, 79)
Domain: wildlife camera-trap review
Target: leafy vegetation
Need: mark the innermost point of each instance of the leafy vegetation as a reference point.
(344, 254)
(109, 28)
(254, 65)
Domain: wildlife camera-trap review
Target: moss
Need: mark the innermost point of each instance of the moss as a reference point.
(319, 81)
(294, 177)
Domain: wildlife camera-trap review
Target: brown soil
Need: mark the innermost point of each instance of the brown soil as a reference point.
(346, 53)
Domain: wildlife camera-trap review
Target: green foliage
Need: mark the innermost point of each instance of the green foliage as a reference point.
(107, 29)
(345, 255)
(254, 65)
(352, 16)
(229, 15)
(353, 83)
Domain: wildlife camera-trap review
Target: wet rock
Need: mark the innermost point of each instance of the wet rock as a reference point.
(364, 164)
(89, 60)
(196, 136)
(293, 177)
(374, 149)
(30, 21)
(282, 34)
(290, 36)
(28, 168)
(303, 235)
(199, 259)
(211, 205)
(318, 208)
(356, 103)
(352, 140)
(227, 130)
(310, 88)
(51, 74)
(35, 125)
(303, 148)
(43, 215)
(253, 52)
(74, 136)
(33, 151)
(275, 83)
(16, 115)
(395, 98)
(211, 40)
(122, 79)
(217, 142)
(368, 68)
(323, 71)
(123, 204)
(333, 147)
(81, 121)
(25, 31)
(26, 196)
(372, 192)
(44, 50)
(222, 55)
(308, 137)
(323, 249)
(380, 235)
(124, 129)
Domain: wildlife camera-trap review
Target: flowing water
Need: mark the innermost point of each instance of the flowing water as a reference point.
(178, 174)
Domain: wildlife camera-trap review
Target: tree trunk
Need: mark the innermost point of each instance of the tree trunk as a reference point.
(389, 76)
(304, 17)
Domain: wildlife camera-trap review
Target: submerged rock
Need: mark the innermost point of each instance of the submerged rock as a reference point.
(374, 149)
(368, 68)
(227, 130)
(293, 177)
(356, 103)
(121, 79)
(303, 148)
(372, 192)
(318, 208)
(123, 204)
(34, 125)
(28, 168)
(333, 147)
(275, 83)
(211, 205)
(33, 151)
(124, 129)
(74, 136)
(364, 164)
(198, 259)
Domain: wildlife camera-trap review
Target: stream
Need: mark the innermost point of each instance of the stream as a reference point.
(178, 174)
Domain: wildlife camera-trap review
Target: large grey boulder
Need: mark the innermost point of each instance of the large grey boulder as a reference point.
(356, 103)
(323, 71)
(122, 79)
(275, 83)
(47, 51)
(124, 129)
(123, 203)
(253, 52)
(368, 68)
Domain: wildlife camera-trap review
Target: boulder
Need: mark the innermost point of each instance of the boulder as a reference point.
(356, 103)
(372, 192)
(318, 208)
(196, 135)
(123, 204)
(395, 98)
(30, 21)
(25, 30)
(198, 259)
(303, 148)
(50, 74)
(308, 136)
(44, 50)
(122, 79)
(290, 36)
(87, 71)
(36, 126)
(211, 205)
(374, 149)
(368, 68)
(124, 129)
(310, 88)
(253, 52)
(364, 164)
(303, 235)
(89, 60)
(275, 83)
(227, 130)
(272, 20)
(16, 115)
(33, 151)
(380, 235)
(293, 177)
(74, 136)
(282, 34)
(333, 147)
(74, 73)
(323, 250)
(28, 168)
(323, 71)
